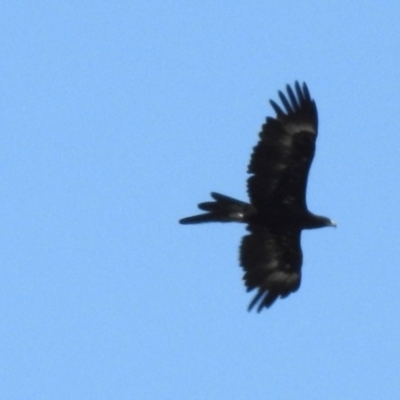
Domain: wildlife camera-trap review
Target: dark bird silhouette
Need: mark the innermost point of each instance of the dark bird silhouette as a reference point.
(270, 254)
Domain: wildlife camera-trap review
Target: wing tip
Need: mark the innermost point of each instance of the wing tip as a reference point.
(297, 102)
(279, 112)
(264, 302)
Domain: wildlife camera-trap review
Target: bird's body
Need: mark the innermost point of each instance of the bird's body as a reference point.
(270, 254)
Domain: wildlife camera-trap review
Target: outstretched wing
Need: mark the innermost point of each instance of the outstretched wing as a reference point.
(272, 264)
(282, 158)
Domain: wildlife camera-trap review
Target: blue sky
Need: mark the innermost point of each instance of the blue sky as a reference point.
(116, 120)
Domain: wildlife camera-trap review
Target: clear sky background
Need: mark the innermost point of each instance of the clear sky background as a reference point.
(117, 118)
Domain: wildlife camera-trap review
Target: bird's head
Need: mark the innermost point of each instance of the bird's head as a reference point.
(327, 222)
(317, 221)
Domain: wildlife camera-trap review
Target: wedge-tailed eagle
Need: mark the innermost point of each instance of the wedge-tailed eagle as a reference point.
(270, 254)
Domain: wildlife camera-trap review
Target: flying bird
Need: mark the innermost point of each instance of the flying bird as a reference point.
(270, 254)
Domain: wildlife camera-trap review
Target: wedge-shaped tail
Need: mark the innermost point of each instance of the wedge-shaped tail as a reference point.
(223, 209)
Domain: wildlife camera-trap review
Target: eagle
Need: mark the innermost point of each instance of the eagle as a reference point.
(271, 254)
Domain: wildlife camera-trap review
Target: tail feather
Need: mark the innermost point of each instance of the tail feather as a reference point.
(223, 209)
(198, 219)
